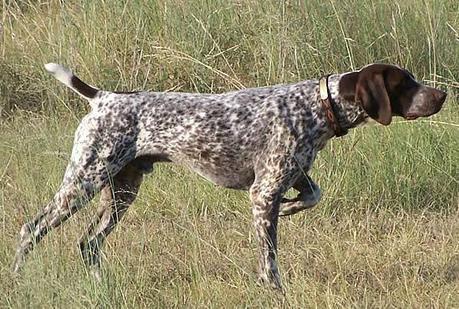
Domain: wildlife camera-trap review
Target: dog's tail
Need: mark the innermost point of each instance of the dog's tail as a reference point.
(67, 77)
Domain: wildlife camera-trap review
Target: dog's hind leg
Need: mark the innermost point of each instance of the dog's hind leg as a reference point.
(85, 175)
(114, 202)
(72, 196)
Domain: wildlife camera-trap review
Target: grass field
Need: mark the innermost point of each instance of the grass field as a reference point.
(386, 233)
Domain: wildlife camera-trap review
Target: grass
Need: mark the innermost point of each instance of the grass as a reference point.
(386, 233)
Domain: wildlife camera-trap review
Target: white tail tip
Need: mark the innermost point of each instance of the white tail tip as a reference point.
(52, 67)
(60, 72)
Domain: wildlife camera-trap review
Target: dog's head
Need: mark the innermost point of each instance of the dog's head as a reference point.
(386, 90)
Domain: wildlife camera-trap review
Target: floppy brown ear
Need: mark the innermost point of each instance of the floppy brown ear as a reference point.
(371, 92)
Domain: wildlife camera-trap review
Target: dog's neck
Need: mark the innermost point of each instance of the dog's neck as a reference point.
(348, 112)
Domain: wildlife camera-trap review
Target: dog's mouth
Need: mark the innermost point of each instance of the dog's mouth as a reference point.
(411, 117)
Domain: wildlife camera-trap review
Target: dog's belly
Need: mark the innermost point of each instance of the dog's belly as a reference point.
(235, 179)
(234, 176)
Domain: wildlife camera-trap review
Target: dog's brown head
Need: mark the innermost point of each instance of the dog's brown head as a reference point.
(386, 90)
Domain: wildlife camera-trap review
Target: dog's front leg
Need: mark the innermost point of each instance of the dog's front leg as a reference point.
(309, 195)
(271, 182)
(265, 209)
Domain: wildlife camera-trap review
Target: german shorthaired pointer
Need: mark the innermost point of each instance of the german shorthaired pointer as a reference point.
(263, 140)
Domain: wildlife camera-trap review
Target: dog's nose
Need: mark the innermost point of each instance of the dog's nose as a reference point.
(440, 96)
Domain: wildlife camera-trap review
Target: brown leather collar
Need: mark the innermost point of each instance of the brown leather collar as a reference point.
(327, 104)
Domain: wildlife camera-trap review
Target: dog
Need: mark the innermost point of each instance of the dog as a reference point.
(263, 140)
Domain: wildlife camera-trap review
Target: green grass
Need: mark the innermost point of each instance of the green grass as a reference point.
(386, 233)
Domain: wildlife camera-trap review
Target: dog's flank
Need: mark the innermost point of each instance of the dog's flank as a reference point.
(263, 140)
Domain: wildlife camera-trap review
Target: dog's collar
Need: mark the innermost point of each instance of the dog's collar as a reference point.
(328, 106)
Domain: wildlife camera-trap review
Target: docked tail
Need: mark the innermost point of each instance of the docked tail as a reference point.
(67, 77)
